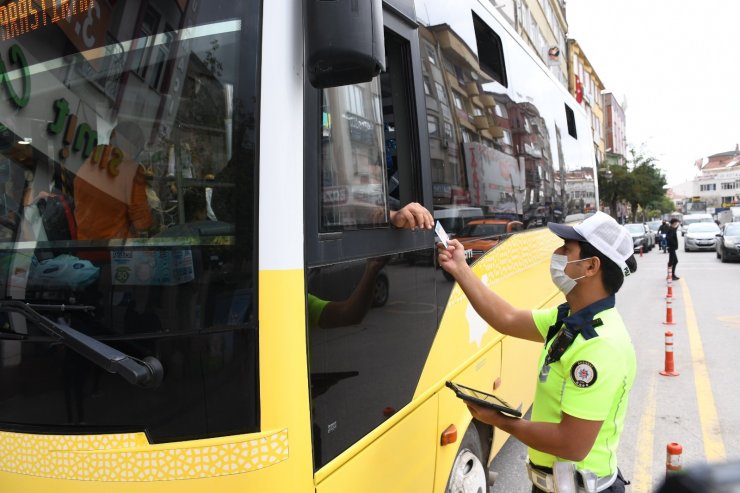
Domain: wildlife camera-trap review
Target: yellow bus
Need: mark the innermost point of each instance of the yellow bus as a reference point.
(201, 287)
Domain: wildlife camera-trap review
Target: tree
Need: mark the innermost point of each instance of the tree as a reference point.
(659, 207)
(638, 182)
(647, 182)
(614, 179)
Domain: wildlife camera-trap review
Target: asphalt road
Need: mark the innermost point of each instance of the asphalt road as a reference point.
(699, 408)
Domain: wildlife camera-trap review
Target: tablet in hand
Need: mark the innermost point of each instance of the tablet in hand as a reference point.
(483, 399)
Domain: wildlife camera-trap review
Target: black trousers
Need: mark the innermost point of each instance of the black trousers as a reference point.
(672, 260)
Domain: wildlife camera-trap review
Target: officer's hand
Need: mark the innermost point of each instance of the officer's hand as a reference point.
(487, 415)
(452, 258)
(412, 216)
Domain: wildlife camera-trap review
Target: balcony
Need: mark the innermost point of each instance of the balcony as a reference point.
(487, 100)
(496, 131)
(532, 151)
(481, 122)
(458, 51)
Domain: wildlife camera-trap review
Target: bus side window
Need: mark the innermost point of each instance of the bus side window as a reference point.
(353, 178)
(399, 124)
(366, 158)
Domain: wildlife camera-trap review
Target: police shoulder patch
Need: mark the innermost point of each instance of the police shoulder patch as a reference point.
(583, 373)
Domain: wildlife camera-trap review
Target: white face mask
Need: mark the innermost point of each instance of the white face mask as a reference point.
(557, 272)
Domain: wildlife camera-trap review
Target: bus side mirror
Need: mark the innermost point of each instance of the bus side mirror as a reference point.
(344, 41)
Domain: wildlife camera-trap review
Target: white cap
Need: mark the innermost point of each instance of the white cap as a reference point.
(603, 233)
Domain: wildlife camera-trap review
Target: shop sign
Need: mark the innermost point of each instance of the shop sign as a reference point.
(17, 59)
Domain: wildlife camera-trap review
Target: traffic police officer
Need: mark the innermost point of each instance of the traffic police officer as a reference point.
(587, 365)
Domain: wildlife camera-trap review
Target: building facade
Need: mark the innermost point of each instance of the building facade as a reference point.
(584, 83)
(489, 150)
(718, 181)
(615, 133)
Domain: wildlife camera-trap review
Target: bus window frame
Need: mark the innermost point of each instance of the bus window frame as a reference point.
(324, 248)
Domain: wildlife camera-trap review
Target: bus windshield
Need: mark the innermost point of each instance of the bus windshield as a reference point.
(127, 161)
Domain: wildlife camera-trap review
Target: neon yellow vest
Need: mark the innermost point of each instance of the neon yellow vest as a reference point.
(591, 381)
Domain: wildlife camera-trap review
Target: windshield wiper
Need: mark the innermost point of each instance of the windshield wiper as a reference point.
(147, 373)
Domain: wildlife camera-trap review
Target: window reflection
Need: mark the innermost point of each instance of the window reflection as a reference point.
(494, 149)
(353, 158)
(122, 148)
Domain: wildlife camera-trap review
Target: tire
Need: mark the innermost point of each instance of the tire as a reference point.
(381, 291)
(718, 256)
(722, 257)
(469, 474)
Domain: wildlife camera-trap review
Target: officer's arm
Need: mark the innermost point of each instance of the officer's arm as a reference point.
(571, 439)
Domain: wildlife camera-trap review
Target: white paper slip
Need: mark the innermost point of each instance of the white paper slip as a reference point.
(441, 234)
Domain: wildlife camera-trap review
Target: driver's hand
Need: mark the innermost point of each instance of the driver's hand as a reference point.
(412, 216)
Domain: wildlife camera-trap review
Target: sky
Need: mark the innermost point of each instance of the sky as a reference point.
(676, 63)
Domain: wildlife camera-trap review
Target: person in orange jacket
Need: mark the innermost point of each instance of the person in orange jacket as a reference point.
(110, 189)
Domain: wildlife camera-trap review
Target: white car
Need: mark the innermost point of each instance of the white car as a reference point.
(689, 219)
(700, 236)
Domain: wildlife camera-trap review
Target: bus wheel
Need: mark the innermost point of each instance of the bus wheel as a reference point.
(468, 473)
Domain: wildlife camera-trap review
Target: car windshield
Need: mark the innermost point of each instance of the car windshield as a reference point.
(702, 228)
(483, 230)
(635, 228)
(655, 225)
(732, 230)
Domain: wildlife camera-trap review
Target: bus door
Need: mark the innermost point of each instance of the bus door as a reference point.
(372, 315)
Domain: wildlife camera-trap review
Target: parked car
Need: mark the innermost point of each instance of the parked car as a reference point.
(480, 235)
(654, 226)
(642, 237)
(337, 282)
(700, 236)
(694, 218)
(728, 242)
(652, 236)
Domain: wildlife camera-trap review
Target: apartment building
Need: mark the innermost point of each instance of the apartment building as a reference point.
(718, 181)
(615, 132)
(584, 83)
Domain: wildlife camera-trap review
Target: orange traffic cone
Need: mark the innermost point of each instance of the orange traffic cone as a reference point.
(669, 312)
(673, 457)
(669, 370)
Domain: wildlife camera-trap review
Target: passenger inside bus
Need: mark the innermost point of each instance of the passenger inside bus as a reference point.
(110, 199)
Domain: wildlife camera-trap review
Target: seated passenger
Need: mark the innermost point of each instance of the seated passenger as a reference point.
(110, 189)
